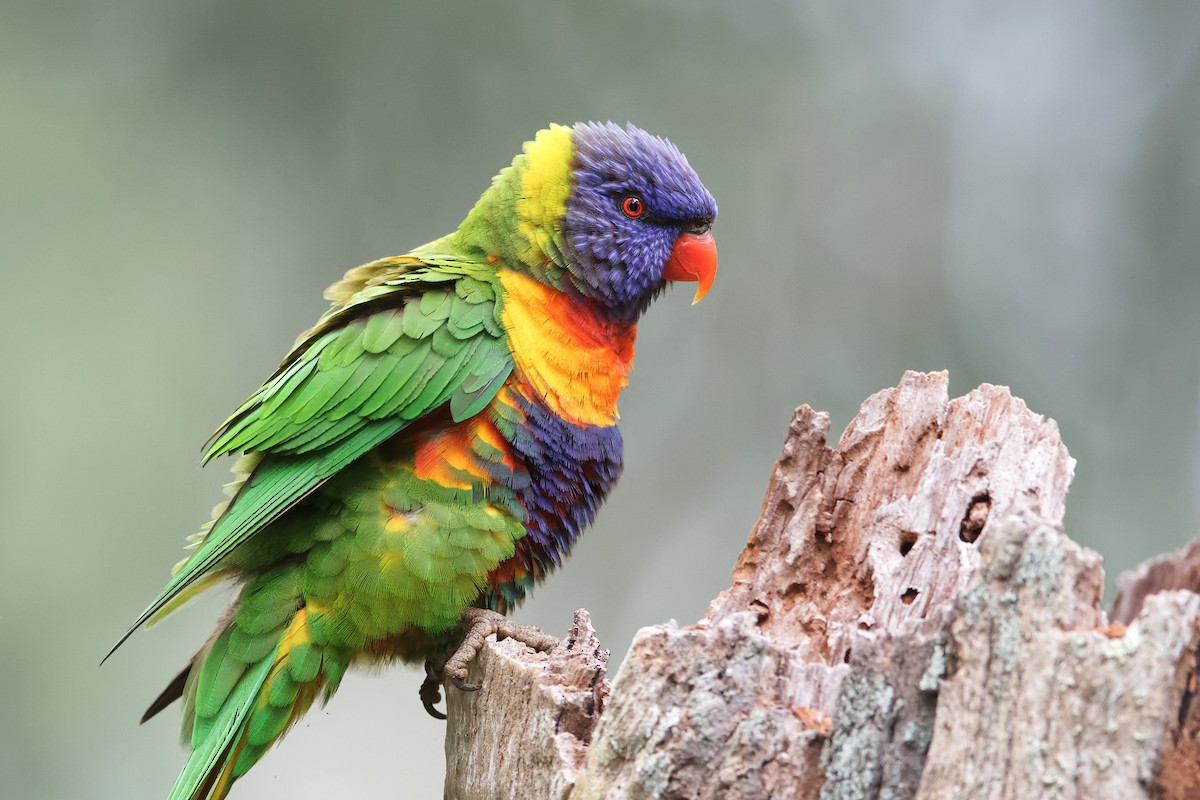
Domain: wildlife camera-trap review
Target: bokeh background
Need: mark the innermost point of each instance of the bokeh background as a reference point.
(1010, 191)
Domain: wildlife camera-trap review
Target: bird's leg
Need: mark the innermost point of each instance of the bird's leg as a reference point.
(431, 687)
(481, 623)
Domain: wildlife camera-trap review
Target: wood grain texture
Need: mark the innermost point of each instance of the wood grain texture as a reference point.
(1177, 574)
(907, 620)
(524, 734)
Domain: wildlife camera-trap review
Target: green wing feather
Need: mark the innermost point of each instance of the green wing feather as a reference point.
(395, 351)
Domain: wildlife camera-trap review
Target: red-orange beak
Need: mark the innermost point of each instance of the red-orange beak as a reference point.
(694, 258)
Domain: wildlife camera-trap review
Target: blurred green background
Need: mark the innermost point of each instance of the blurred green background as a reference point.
(1010, 191)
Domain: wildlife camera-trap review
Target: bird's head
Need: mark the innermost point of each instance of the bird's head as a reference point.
(637, 217)
(612, 213)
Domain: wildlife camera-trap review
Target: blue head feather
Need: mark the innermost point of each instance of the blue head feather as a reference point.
(612, 258)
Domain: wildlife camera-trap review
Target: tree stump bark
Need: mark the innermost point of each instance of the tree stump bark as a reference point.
(907, 620)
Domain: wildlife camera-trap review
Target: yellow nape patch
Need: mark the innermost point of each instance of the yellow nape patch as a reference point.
(545, 184)
(572, 356)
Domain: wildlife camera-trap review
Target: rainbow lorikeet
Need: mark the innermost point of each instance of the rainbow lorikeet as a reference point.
(434, 445)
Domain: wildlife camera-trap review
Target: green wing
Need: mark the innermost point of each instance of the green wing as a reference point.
(396, 351)
(384, 368)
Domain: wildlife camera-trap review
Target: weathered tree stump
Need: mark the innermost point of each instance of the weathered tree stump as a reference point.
(907, 620)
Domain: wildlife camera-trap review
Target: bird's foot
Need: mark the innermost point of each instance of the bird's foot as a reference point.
(481, 623)
(431, 688)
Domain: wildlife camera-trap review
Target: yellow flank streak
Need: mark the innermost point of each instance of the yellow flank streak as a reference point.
(296, 634)
(545, 185)
(574, 359)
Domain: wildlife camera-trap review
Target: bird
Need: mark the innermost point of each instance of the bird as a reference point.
(435, 444)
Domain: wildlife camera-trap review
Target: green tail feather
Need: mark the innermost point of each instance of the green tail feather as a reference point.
(209, 770)
(249, 684)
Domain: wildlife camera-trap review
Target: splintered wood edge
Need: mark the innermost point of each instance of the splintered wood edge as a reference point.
(1177, 570)
(1170, 580)
(531, 720)
(878, 536)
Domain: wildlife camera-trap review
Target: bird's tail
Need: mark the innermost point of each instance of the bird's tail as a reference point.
(244, 689)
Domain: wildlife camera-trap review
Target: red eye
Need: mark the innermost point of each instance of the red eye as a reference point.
(633, 206)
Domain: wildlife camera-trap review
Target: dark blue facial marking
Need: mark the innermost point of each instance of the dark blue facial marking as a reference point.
(616, 259)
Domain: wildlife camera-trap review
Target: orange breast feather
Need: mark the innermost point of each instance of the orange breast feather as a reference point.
(573, 357)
